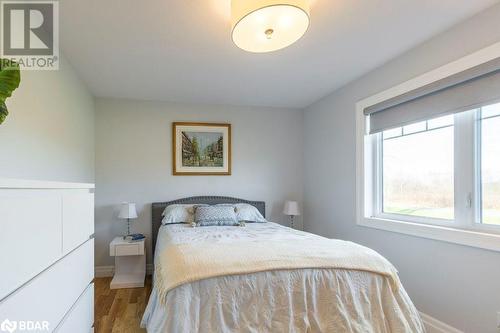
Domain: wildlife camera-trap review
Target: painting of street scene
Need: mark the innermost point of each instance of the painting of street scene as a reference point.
(202, 149)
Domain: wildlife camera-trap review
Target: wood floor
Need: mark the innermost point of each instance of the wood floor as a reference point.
(119, 310)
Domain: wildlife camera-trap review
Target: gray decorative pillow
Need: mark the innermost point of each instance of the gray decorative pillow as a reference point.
(226, 205)
(215, 216)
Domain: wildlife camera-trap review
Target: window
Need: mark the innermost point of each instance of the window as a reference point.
(490, 164)
(440, 173)
(428, 154)
(428, 171)
(418, 169)
(416, 177)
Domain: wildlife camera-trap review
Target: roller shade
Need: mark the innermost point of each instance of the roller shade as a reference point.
(463, 91)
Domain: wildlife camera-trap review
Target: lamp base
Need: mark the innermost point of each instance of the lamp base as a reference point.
(128, 229)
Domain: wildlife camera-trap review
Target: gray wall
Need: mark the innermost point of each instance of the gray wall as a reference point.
(49, 134)
(456, 284)
(133, 161)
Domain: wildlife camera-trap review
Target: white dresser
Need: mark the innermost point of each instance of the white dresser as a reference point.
(46, 256)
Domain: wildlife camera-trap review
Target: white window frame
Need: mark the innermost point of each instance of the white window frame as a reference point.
(464, 230)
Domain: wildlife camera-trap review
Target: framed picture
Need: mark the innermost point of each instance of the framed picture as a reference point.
(201, 149)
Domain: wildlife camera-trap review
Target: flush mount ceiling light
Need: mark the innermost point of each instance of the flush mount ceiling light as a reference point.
(268, 25)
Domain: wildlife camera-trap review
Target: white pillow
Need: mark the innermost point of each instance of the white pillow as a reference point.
(178, 214)
(248, 213)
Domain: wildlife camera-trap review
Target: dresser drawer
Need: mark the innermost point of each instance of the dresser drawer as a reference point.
(31, 223)
(78, 218)
(50, 295)
(81, 316)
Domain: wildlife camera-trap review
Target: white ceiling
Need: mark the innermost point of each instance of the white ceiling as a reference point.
(181, 50)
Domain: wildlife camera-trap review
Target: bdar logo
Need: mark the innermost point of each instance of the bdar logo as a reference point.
(8, 326)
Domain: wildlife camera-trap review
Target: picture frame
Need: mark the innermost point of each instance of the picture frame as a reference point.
(201, 149)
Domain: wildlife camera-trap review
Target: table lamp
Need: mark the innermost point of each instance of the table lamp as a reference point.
(127, 211)
(291, 209)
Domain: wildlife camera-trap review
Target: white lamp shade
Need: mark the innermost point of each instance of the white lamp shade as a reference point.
(127, 211)
(291, 208)
(268, 25)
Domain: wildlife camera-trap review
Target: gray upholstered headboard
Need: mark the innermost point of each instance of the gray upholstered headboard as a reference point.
(158, 207)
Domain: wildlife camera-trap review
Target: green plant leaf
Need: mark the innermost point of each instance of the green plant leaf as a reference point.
(3, 112)
(10, 77)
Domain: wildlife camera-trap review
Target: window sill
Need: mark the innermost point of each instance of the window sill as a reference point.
(482, 240)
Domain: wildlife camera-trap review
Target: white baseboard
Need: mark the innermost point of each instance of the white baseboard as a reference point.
(108, 271)
(104, 271)
(432, 325)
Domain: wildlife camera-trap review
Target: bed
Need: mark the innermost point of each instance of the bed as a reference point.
(336, 298)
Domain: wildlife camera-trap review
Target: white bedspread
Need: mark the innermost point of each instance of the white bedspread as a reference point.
(304, 300)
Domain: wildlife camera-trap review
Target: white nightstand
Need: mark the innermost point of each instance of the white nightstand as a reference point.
(130, 263)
